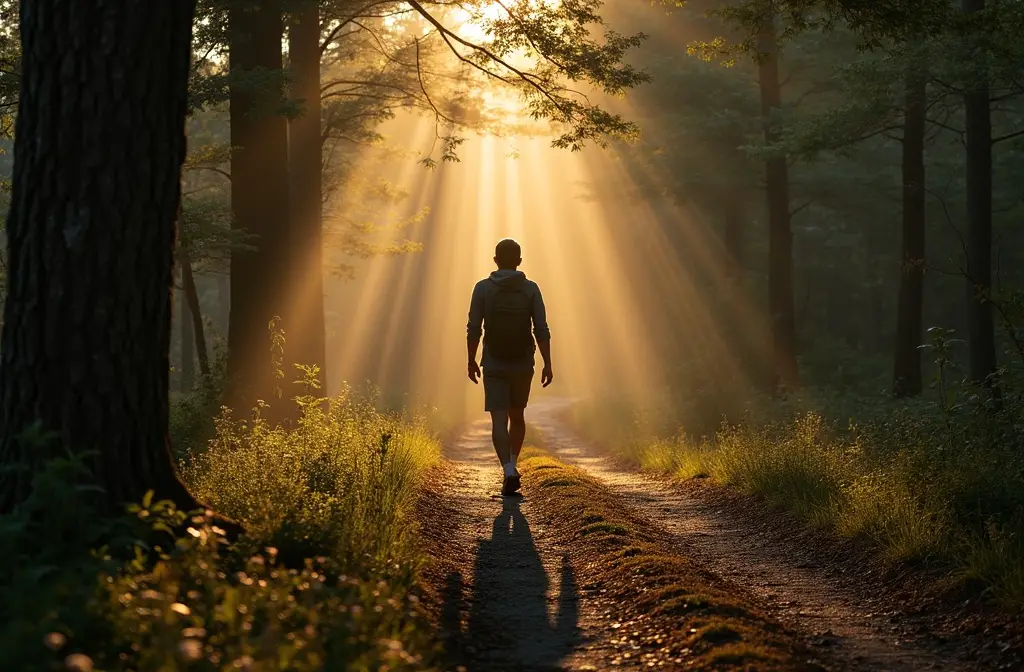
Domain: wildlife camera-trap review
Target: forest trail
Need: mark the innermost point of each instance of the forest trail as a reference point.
(510, 602)
(851, 630)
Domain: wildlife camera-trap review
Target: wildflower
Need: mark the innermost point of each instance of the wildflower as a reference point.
(243, 663)
(190, 649)
(78, 662)
(55, 641)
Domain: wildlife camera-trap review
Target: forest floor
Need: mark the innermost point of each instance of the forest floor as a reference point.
(512, 591)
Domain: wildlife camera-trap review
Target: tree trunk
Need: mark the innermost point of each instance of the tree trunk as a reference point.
(978, 127)
(98, 153)
(188, 344)
(909, 319)
(259, 199)
(780, 239)
(195, 312)
(307, 344)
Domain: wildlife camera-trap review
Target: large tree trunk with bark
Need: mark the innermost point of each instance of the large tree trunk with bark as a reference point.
(307, 344)
(780, 238)
(259, 199)
(98, 153)
(909, 319)
(978, 127)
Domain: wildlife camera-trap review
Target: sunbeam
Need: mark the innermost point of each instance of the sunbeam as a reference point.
(620, 301)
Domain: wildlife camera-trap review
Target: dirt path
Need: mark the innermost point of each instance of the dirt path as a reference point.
(855, 631)
(511, 602)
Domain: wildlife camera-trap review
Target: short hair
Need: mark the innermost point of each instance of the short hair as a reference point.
(508, 252)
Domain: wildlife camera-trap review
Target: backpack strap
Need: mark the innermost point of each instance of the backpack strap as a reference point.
(504, 288)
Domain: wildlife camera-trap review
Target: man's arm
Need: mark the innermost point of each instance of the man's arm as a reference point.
(546, 375)
(474, 330)
(542, 334)
(473, 369)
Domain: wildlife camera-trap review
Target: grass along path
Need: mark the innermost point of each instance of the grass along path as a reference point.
(840, 619)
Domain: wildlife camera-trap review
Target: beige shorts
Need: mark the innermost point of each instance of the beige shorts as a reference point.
(507, 389)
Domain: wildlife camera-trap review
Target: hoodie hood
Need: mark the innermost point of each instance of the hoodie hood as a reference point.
(507, 278)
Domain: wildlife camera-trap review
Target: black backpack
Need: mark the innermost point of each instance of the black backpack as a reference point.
(508, 320)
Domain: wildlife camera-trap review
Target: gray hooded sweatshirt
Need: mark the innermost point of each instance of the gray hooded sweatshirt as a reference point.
(474, 329)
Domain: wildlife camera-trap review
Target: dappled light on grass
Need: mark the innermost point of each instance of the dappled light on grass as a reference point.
(341, 482)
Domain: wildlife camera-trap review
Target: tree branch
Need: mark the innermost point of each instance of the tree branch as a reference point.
(804, 206)
(1008, 136)
(213, 169)
(447, 35)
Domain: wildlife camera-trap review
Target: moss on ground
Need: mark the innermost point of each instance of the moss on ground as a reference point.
(660, 601)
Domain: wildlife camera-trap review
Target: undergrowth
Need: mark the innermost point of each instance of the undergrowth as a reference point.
(324, 578)
(938, 480)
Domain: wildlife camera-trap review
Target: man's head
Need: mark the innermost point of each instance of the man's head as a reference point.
(507, 254)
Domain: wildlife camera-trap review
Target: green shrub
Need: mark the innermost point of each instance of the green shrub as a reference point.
(325, 577)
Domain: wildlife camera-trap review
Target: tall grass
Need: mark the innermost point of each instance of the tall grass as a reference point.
(341, 482)
(937, 484)
(324, 578)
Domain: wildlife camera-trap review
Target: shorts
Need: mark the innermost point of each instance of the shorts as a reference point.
(507, 389)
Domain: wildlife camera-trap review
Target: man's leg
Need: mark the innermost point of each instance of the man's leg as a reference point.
(516, 432)
(519, 395)
(496, 402)
(500, 435)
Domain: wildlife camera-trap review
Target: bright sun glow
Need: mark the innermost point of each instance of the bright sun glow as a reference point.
(471, 25)
(610, 278)
(621, 301)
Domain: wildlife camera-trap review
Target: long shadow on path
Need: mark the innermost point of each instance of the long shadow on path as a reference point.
(515, 622)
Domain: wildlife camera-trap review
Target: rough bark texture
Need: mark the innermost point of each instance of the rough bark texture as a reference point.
(307, 344)
(195, 313)
(909, 318)
(780, 238)
(978, 127)
(98, 152)
(259, 199)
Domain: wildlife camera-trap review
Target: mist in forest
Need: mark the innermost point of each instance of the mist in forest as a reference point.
(620, 301)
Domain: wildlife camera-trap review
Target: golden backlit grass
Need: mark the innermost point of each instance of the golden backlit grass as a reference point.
(919, 488)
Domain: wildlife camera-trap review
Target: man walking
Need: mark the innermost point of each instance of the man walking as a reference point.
(510, 308)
